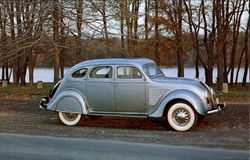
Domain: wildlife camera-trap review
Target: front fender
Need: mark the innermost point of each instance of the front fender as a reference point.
(69, 100)
(186, 95)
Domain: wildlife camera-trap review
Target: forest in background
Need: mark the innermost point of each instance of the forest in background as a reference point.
(207, 33)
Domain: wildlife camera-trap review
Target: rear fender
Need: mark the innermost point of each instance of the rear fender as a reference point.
(69, 100)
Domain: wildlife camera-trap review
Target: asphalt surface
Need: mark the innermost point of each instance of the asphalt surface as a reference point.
(23, 147)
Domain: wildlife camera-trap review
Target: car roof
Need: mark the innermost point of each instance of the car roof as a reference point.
(114, 61)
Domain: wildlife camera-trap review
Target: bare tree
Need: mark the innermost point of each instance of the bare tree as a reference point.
(13, 38)
(244, 52)
(237, 12)
(173, 22)
(194, 23)
(157, 54)
(101, 7)
(79, 11)
(56, 38)
(147, 10)
(3, 21)
(218, 6)
(247, 54)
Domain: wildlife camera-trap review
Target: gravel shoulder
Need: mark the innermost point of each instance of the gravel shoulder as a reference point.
(227, 129)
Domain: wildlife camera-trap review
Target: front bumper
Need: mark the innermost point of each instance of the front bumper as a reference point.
(43, 103)
(219, 107)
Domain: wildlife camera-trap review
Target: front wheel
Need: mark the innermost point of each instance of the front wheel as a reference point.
(181, 116)
(69, 119)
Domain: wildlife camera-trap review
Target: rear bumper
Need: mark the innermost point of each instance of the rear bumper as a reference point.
(43, 103)
(219, 107)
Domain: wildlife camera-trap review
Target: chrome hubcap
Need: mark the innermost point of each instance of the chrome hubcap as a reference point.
(181, 117)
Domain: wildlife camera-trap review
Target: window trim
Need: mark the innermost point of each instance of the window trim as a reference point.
(116, 74)
(78, 70)
(91, 70)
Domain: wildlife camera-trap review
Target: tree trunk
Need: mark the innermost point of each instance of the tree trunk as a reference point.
(129, 25)
(104, 19)
(180, 56)
(79, 11)
(244, 81)
(56, 39)
(209, 76)
(247, 54)
(31, 73)
(13, 38)
(225, 79)
(244, 51)
(7, 71)
(62, 37)
(122, 32)
(219, 47)
(197, 67)
(17, 68)
(3, 72)
(147, 5)
(239, 64)
(157, 54)
(135, 25)
(3, 21)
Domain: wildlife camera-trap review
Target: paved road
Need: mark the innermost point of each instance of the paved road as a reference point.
(26, 147)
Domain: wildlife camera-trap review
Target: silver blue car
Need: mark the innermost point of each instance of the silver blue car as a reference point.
(130, 88)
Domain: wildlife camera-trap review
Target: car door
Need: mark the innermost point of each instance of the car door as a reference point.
(100, 89)
(129, 90)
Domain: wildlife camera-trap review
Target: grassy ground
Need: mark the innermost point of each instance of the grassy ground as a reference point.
(236, 93)
(24, 92)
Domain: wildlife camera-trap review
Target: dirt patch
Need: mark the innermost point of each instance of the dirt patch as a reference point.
(235, 99)
(227, 129)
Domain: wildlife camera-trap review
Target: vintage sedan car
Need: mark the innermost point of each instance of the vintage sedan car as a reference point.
(129, 88)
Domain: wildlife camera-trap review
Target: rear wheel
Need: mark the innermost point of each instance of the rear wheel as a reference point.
(69, 119)
(181, 116)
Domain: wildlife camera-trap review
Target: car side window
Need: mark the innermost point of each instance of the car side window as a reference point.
(101, 72)
(127, 72)
(80, 73)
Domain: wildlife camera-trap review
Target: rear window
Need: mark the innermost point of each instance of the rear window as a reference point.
(80, 73)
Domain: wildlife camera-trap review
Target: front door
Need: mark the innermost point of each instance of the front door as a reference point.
(100, 89)
(129, 90)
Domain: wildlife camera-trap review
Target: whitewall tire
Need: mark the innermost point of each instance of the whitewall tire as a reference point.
(181, 117)
(69, 119)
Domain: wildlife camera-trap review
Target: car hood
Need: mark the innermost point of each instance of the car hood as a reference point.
(185, 83)
(180, 80)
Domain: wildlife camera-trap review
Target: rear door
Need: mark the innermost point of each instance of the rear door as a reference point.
(100, 89)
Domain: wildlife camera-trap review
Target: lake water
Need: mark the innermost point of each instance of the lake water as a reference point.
(47, 74)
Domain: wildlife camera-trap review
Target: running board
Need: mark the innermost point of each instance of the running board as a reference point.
(111, 114)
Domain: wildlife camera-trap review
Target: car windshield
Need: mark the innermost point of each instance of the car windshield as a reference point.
(152, 70)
